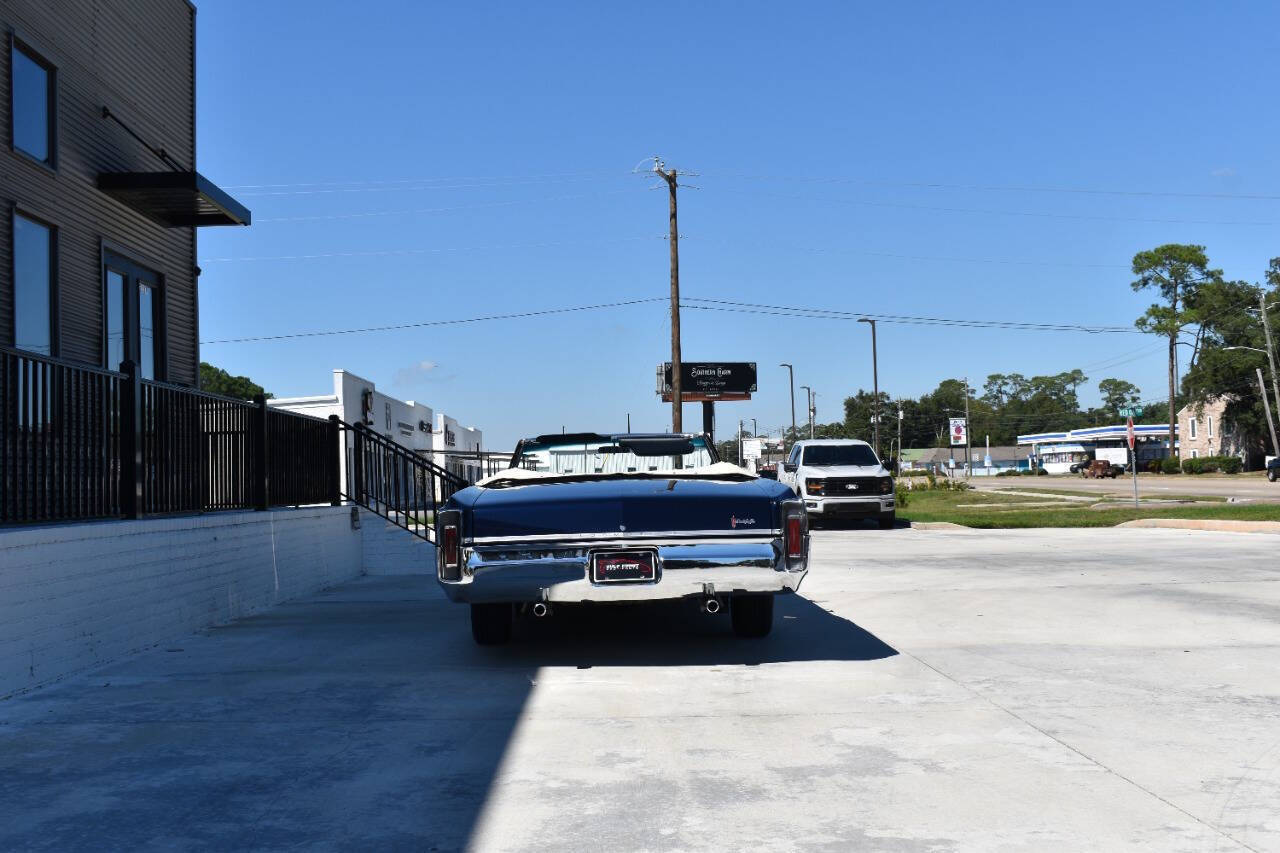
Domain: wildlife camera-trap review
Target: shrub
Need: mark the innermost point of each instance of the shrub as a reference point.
(1008, 472)
(1169, 466)
(1040, 472)
(1153, 466)
(1212, 464)
(933, 479)
(1028, 472)
(901, 496)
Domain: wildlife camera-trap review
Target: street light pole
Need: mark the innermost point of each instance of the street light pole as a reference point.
(791, 376)
(875, 384)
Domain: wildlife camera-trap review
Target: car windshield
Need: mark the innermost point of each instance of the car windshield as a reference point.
(617, 455)
(839, 454)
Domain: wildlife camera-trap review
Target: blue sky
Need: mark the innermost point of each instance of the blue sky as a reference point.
(410, 162)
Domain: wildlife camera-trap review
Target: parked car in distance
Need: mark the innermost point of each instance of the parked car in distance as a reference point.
(1273, 469)
(840, 479)
(594, 518)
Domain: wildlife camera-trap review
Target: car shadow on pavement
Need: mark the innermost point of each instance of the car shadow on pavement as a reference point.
(678, 633)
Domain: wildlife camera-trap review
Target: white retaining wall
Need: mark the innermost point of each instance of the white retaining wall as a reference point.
(391, 550)
(73, 596)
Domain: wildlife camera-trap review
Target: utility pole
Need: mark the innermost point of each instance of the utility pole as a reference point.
(968, 432)
(755, 428)
(1275, 445)
(808, 396)
(791, 376)
(677, 390)
(875, 385)
(1271, 352)
(739, 442)
(628, 422)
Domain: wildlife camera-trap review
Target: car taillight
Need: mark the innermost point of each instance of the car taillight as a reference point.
(450, 554)
(795, 537)
(813, 487)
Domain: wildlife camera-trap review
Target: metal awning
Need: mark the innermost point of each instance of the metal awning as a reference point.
(174, 199)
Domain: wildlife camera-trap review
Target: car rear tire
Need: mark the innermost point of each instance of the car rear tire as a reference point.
(491, 623)
(752, 615)
(1271, 474)
(887, 520)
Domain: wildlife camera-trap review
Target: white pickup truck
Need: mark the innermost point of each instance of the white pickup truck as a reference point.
(840, 479)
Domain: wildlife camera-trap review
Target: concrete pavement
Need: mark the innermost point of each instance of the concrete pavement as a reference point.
(1005, 690)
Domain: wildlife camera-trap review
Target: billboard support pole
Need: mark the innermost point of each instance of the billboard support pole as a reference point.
(709, 419)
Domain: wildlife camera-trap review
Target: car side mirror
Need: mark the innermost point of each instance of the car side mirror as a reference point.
(789, 467)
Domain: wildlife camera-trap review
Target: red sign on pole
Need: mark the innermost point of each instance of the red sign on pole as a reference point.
(1130, 432)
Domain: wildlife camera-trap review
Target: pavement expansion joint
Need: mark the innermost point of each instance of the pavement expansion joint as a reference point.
(1079, 752)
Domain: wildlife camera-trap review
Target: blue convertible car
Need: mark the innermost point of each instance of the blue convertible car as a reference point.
(592, 518)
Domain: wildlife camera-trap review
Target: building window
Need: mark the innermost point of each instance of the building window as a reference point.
(1195, 454)
(32, 96)
(1208, 421)
(1193, 427)
(32, 285)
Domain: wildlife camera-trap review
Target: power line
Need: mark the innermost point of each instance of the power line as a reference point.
(418, 210)
(402, 186)
(515, 316)
(908, 319)
(693, 302)
(931, 185)
(986, 212)
(943, 258)
(437, 179)
(387, 252)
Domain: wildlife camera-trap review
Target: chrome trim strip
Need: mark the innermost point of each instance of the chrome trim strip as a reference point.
(682, 536)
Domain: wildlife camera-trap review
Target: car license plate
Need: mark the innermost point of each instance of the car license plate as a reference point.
(617, 566)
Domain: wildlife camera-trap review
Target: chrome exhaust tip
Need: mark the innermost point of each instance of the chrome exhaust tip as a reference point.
(541, 609)
(711, 605)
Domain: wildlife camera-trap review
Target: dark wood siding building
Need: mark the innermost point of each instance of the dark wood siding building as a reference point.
(105, 176)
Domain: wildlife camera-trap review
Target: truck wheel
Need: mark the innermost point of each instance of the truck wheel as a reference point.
(887, 520)
(752, 615)
(491, 623)
(1271, 474)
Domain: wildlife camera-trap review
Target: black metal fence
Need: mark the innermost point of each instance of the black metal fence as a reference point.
(60, 440)
(78, 442)
(395, 482)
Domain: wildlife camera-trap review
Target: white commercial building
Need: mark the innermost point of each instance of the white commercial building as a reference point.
(410, 424)
(458, 448)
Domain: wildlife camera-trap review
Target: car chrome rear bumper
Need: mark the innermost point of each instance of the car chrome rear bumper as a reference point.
(561, 574)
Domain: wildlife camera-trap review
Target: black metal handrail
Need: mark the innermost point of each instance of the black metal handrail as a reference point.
(393, 481)
(60, 435)
(80, 442)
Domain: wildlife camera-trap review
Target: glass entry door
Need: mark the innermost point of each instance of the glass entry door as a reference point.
(132, 313)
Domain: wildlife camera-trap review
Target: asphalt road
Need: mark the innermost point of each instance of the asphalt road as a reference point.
(1245, 486)
(1058, 690)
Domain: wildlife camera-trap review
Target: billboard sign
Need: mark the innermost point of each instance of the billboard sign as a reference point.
(710, 380)
(959, 431)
